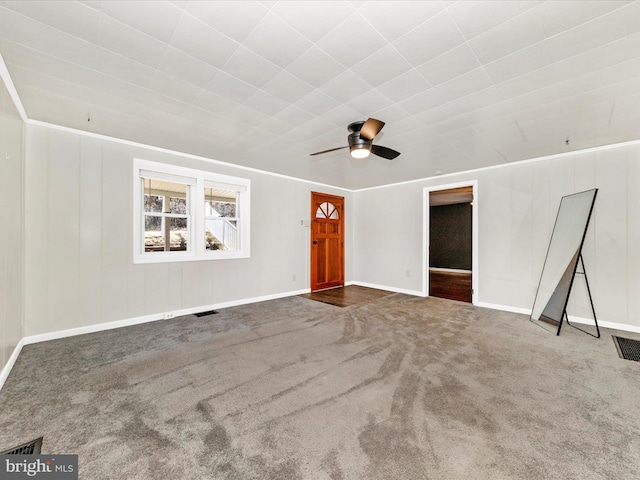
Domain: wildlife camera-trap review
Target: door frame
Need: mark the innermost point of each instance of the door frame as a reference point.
(311, 240)
(474, 235)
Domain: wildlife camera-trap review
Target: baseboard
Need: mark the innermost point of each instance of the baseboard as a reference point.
(415, 293)
(6, 370)
(71, 332)
(584, 321)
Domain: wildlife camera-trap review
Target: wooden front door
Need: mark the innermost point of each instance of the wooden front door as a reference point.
(327, 241)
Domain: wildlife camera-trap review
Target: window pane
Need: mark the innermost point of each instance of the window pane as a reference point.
(153, 203)
(179, 234)
(219, 202)
(155, 191)
(178, 205)
(153, 237)
(157, 236)
(221, 234)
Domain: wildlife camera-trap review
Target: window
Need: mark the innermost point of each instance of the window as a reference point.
(184, 214)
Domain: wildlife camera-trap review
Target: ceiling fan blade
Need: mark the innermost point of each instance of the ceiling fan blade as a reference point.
(371, 128)
(384, 152)
(327, 151)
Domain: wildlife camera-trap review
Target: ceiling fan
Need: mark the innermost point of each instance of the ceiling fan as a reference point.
(361, 141)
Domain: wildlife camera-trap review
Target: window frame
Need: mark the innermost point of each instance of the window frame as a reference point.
(196, 250)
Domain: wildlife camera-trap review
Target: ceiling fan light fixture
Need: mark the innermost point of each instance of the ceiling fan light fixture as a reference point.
(360, 151)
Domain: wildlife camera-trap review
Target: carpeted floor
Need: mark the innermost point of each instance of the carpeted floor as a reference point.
(398, 388)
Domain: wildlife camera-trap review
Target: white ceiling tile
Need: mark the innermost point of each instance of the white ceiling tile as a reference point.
(317, 103)
(509, 37)
(478, 100)
(294, 116)
(369, 102)
(404, 86)
(274, 40)
(287, 87)
(115, 65)
(247, 115)
(315, 67)
(395, 18)
(266, 103)
(561, 16)
(345, 87)
(313, 19)
(136, 14)
(466, 84)
(276, 126)
(317, 126)
(432, 38)
(451, 64)
(250, 67)
(128, 42)
(203, 42)
(477, 17)
(214, 103)
(232, 18)
(590, 35)
(438, 114)
(352, 40)
(229, 87)
(186, 67)
(519, 63)
(71, 17)
(342, 116)
(174, 88)
(381, 66)
(424, 100)
(37, 61)
(33, 34)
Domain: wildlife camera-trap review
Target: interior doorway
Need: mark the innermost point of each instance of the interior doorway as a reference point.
(327, 241)
(450, 234)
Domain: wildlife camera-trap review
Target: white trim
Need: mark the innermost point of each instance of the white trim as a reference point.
(6, 370)
(585, 321)
(11, 88)
(415, 293)
(100, 327)
(449, 270)
(506, 165)
(98, 136)
(474, 235)
(196, 248)
(504, 308)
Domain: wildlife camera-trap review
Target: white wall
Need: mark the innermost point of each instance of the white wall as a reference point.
(11, 202)
(79, 267)
(517, 209)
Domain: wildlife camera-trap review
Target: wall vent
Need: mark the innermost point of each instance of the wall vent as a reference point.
(204, 314)
(30, 448)
(628, 348)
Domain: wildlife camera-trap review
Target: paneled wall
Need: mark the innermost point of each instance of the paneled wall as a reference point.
(11, 202)
(79, 238)
(517, 206)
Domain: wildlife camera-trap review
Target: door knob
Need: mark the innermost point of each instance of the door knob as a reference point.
(315, 242)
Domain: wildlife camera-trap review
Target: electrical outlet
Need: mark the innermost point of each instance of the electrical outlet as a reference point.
(168, 315)
(408, 273)
(293, 278)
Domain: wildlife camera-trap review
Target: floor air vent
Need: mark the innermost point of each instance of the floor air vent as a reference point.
(30, 448)
(628, 348)
(204, 314)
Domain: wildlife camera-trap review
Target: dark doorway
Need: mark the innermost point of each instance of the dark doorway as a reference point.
(450, 244)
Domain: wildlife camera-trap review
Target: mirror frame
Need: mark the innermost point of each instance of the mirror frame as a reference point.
(561, 262)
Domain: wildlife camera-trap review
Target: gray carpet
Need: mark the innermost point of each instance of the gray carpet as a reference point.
(398, 388)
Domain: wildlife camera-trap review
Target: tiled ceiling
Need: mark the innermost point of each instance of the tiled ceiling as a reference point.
(460, 85)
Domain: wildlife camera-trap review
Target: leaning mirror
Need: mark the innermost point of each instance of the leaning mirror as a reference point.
(561, 262)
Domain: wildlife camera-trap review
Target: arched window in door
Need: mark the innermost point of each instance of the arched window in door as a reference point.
(327, 210)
